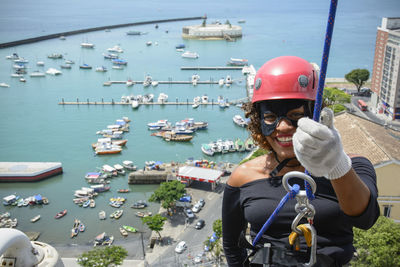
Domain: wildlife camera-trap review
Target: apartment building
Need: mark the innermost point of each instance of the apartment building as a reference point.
(385, 82)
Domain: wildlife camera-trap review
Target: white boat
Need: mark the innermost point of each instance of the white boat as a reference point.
(154, 83)
(147, 80)
(22, 80)
(21, 60)
(87, 45)
(204, 99)
(158, 124)
(129, 83)
(35, 219)
(62, 37)
(102, 215)
(129, 165)
(17, 75)
(228, 80)
(195, 79)
(162, 98)
(206, 148)
(4, 85)
(68, 61)
(53, 71)
(116, 49)
(101, 69)
(149, 43)
(120, 169)
(189, 54)
(239, 121)
(135, 103)
(117, 67)
(37, 74)
(13, 56)
(237, 62)
(221, 82)
(147, 98)
(40, 63)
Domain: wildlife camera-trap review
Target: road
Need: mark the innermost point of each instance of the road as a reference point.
(194, 238)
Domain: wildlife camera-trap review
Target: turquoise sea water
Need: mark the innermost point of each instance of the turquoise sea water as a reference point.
(35, 128)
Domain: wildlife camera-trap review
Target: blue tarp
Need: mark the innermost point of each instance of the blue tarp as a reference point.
(38, 198)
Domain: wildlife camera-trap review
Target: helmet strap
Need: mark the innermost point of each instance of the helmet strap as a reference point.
(281, 165)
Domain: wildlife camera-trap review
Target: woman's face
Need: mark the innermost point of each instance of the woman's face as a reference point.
(281, 137)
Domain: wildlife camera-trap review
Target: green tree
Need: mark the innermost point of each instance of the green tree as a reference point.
(335, 98)
(378, 246)
(155, 223)
(107, 256)
(214, 242)
(168, 193)
(358, 77)
(255, 154)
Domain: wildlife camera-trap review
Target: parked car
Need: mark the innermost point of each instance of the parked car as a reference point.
(200, 224)
(181, 247)
(189, 213)
(196, 208)
(201, 202)
(363, 92)
(199, 257)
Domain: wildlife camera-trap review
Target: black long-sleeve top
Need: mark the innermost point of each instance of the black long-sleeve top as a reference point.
(255, 201)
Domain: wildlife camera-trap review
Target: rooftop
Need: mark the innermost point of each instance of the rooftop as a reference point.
(367, 138)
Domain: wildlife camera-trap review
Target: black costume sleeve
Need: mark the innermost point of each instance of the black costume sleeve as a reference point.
(233, 223)
(363, 167)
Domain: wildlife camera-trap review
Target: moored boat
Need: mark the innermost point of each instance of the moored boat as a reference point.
(129, 228)
(102, 215)
(61, 214)
(129, 165)
(35, 219)
(189, 54)
(143, 214)
(123, 232)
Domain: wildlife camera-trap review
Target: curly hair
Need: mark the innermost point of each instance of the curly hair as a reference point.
(252, 112)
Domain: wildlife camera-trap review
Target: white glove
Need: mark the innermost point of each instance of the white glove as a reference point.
(318, 147)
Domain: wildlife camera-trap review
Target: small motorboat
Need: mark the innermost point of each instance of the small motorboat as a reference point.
(139, 205)
(74, 232)
(124, 190)
(61, 214)
(143, 214)
(129, 165)
(35, 219)
(102, 215)
(129, 228)
(123, 232)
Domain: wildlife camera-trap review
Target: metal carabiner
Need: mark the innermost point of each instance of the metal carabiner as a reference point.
(313, 252)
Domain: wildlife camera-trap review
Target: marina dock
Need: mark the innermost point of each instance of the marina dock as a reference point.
(213, 68)
(187, 102)
(108, 83)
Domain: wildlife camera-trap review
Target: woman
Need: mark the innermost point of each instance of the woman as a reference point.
(346, 195)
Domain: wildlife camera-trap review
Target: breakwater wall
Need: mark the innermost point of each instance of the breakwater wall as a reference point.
(150, 177)
(101, 28)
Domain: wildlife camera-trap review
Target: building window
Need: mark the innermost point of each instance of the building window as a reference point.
(386, 210)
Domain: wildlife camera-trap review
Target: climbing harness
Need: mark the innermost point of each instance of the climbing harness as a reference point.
(303, 208)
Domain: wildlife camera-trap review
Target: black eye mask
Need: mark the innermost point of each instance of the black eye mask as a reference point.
(280, 108)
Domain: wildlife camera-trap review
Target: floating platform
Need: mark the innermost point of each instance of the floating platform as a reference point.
(213, 68)
(28, 171)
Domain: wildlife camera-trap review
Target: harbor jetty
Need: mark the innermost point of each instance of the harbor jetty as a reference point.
(101, 28)
(28, 171)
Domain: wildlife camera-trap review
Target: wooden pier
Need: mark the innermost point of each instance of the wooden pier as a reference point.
(108, 83)
(213, 68)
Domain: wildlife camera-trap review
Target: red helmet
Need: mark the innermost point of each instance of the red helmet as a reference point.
(286, 77)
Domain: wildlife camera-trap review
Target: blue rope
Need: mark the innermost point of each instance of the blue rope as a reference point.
(290, 195)
(317, 111)
(322, 75)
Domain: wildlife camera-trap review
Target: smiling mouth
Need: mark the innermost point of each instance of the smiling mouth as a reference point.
(284, 140)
